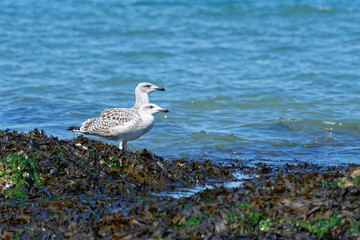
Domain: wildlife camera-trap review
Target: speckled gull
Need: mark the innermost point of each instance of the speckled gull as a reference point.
(121, 124)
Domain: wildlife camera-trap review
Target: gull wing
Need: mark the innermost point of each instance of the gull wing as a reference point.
(109, 119)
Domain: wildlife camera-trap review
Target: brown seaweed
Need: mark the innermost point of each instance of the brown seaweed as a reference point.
(84, 189)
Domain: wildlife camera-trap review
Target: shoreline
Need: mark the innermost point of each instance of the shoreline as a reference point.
(84, 189)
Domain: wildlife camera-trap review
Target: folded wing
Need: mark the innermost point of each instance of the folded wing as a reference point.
(108, 120)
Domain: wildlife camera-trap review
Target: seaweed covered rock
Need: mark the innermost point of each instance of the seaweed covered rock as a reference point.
(84, 189)
(84, 166)
(292, 202)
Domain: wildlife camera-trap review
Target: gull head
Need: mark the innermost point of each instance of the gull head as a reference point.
(151, 108)
(146, 87)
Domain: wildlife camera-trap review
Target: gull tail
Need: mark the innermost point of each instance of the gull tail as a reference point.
(74, 129)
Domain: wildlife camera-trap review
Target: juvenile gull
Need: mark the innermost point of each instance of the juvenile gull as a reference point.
(142, 93)
(121, 124)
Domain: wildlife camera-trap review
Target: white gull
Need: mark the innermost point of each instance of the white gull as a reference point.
(121, 124)
(142, 93)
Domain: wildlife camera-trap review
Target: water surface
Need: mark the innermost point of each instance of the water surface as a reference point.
(271, 81)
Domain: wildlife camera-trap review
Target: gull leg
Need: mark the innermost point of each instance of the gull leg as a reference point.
(125, 145)
(122, 145)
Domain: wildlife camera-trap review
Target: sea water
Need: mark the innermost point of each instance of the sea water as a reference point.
(271, 81)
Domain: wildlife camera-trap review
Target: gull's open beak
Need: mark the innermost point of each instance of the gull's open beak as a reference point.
(163, 110)
(160, 89)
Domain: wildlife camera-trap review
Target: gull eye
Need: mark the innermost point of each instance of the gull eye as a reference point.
(151, 107)
(147, 86)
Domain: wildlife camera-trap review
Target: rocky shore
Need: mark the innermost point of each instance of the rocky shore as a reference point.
(84, 189)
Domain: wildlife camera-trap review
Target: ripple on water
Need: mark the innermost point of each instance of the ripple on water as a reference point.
(227, 137)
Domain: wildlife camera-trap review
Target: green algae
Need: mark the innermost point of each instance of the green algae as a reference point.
(264, 224)
(332, 184)
(191, 221)
(356, 181)
(231, 216)
(60, 151)
(355, 228)
(18, 234)
(321, 226)
(22, 174)
(254, 217)
(242, 205)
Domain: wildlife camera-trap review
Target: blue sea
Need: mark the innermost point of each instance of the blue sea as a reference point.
(270, 81)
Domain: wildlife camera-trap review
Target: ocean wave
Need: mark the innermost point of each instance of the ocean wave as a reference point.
(350, 127)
